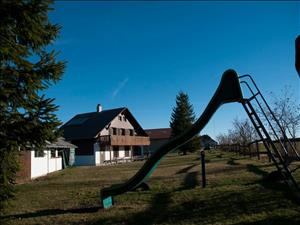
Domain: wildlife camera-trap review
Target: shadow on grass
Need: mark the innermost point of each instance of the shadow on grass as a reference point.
(256, 170)
(186, 169)
(220, 155)
(190, 181)
(216, 209)
(232, 162)
(274, 220)
(156, 213)
(52, 212)
(191, 210)
(273, 184)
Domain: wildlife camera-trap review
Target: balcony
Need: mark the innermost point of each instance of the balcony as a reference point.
(116, 140)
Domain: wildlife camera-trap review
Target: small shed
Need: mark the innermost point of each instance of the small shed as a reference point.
(65, 149)
(54, 157)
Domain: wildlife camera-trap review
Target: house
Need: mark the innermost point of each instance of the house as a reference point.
(54, 157)
(207, 142)
(105, 136)
(158, 137)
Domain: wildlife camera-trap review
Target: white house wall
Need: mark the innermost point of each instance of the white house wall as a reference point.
(117, 124)
(107, 153)
(41, 166)
(97, 153)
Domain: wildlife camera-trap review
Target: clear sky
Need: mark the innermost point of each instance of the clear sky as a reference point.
(141, 54)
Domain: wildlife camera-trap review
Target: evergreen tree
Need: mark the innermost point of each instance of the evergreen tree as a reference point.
(182, 118)
(28, 66)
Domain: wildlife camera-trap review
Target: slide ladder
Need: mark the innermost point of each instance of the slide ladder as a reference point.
(279, 148)
(228, 91)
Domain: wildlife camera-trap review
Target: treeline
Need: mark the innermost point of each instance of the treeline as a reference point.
(286, 112)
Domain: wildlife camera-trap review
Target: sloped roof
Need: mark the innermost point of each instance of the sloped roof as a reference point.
(60, 143)
(207, 140)
(88, 125)
(160, 133)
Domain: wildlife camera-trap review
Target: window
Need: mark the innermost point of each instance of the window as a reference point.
(125, 119)
(53, 151)
(123, 132)
(120, 118)
(114, 131)
(116, 151)
(38, 154)
(131, 132)
(127, 151)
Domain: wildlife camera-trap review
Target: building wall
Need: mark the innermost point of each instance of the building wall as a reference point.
(41, 166)
(105, 152)
(85, 160)
(97, 153)
(84, 147)
(116, 123)
(108, 154)
(122, 152)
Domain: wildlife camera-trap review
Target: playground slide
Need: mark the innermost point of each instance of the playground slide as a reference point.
(297, 54)
(228, 91)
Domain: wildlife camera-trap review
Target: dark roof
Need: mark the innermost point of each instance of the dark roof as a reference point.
(160, 133)
(60, 143)
(207, 140)
(88, 125)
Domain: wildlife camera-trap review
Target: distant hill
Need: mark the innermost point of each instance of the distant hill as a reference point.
(207, 141)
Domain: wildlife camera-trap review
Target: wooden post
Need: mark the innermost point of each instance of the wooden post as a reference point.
(257, 150)
(203, 168)
(110, 154)
(250, 152)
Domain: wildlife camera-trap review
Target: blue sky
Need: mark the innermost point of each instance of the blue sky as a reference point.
(141, 54)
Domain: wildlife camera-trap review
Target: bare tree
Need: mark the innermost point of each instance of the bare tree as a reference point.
(287, 111)
(242, 133)
(223, 139)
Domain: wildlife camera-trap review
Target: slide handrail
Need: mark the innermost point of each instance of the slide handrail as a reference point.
(258, 92)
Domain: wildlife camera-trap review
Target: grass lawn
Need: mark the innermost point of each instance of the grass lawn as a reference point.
(236, 193)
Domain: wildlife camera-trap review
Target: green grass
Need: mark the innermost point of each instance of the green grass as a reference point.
(236, 193)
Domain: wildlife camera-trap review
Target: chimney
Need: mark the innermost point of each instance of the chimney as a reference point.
(99, 108)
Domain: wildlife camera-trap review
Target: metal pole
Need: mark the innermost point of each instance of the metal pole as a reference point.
(203, 168)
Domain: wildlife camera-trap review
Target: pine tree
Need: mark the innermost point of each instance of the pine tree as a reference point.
(27, 68)
(182, 118)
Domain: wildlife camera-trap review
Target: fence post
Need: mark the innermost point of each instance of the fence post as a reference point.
(257, 149)
(203, 168)
(249, 148)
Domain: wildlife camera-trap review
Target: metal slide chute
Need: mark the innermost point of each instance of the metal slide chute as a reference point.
(228, 91)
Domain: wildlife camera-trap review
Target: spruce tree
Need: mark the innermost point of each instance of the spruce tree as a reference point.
(28, 67)
(182, 118)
